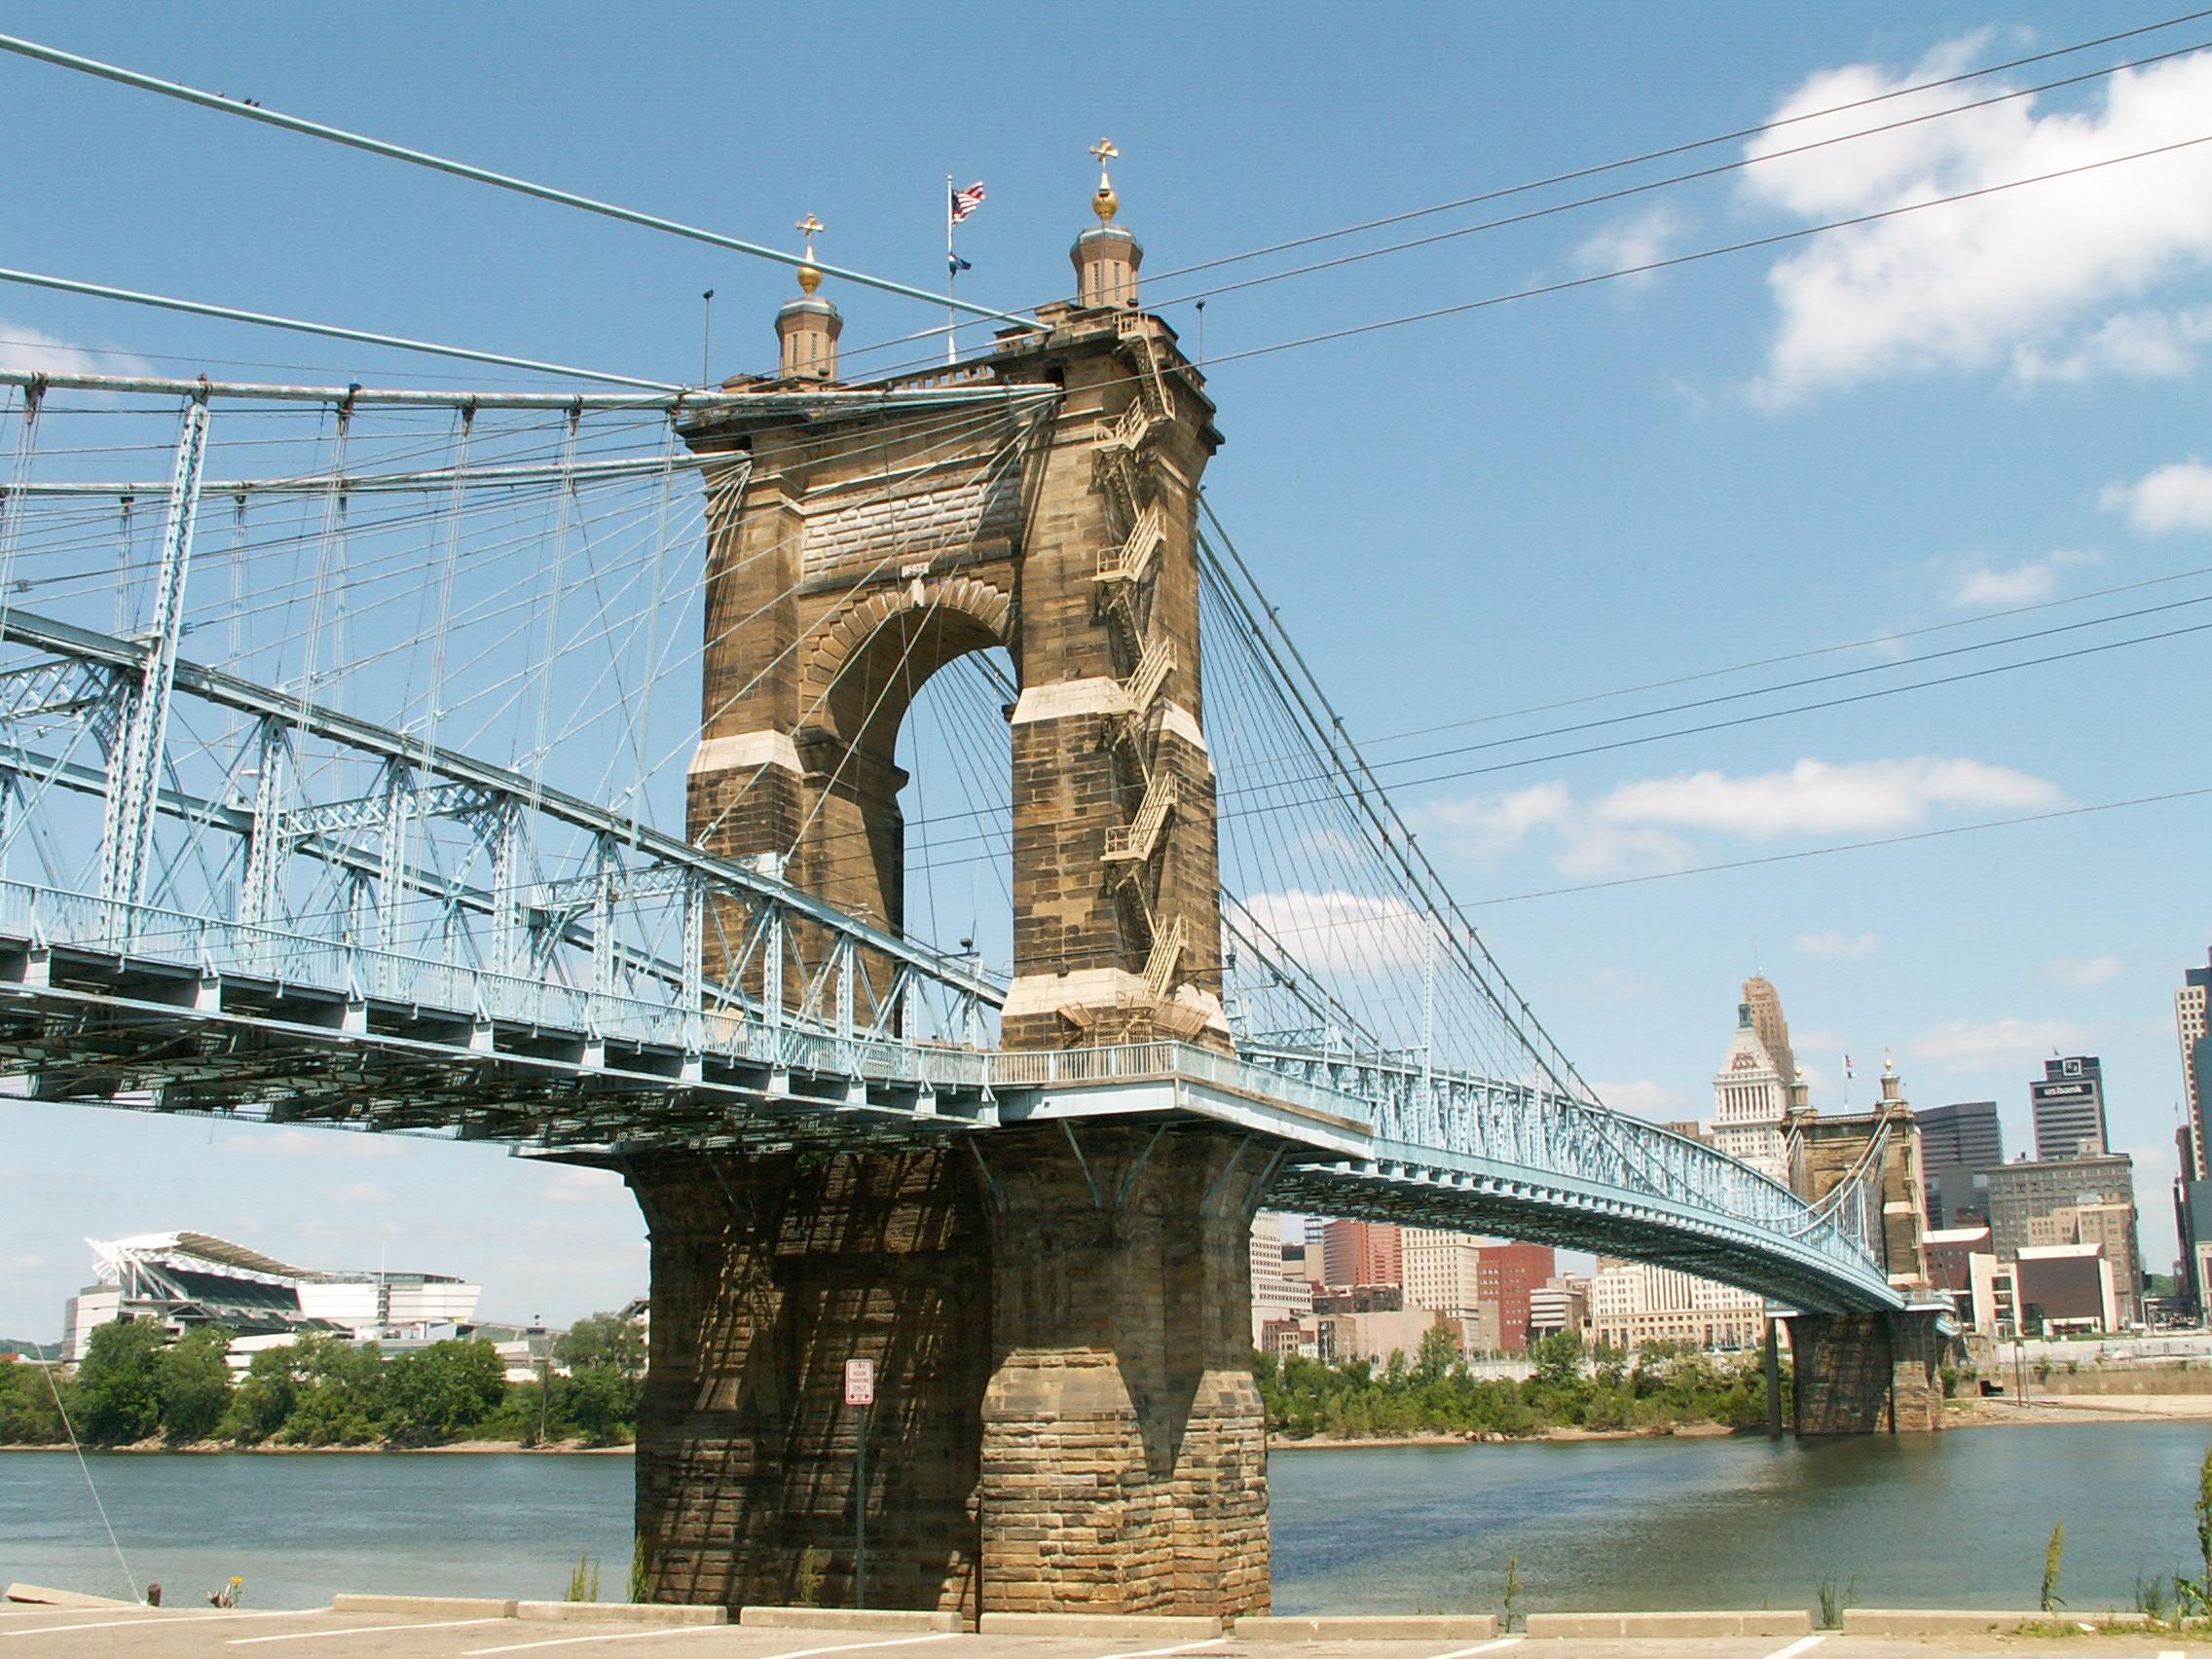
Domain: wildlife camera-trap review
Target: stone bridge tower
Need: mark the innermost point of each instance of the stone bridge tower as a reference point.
(1867, 1373)
(1060, 1316)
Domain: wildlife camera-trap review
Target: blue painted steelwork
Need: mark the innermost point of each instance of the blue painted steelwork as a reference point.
(286, 949)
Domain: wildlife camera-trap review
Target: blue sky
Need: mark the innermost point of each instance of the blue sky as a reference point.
(1927, 420)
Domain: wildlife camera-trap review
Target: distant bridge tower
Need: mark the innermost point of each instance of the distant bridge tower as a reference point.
(1059, 1314)
(1867, 1373)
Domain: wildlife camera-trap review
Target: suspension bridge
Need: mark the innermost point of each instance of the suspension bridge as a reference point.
(618, 776)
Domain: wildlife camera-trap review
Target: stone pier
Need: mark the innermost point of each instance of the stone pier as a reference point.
(1066, 1418)
(1867, 1373)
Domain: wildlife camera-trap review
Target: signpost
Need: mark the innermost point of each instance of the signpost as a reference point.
(860, 1392)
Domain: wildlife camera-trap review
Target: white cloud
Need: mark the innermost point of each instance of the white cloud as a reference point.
(1346, 931)
(1482, 828)
(1963, 285)
(1642, 827)
(2137, 344)
(2173, 497)
(24, 349)
(2084, 970)
(1818, 796)
(1594, 851)
(1979, 586)
(1963, 1045)
(1644, 1098)
(1643, 239)
(310, 1143)
(1855, 946)
(362, 1192)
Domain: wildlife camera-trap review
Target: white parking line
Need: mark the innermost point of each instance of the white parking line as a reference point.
(1800, 1645)
(355, 1630)
(2171, 1653)
(701, 1630)
(849, 1646)
(1479, 1647)
(178, 1617)
(578, 1641)
(1154, 1652)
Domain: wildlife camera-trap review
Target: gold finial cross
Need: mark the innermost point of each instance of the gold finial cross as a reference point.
(812, 227)
(1105, 152)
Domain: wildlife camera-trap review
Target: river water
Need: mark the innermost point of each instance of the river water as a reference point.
(1949, 1520)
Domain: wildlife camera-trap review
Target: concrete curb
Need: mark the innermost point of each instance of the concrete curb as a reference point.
(847, 1618)
(428, 1607)
(1958, 1621)
(1108, 1627)
(1384, 1626)
(40, 1596)
(1693, 1624)
(621, 1612)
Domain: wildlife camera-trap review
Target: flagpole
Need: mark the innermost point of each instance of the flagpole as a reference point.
(952, 277)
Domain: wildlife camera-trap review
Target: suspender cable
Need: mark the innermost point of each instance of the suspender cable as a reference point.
(482, 175)
(329, 330)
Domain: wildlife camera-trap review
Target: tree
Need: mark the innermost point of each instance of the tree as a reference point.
(341, 1392)
(262, 1404)
(1557, 1359)
(27, 1413)
(442, 1392)
(115, 1398)
(601, 1402)
(603, 1339)
(195, 1385)
(1439, 1352)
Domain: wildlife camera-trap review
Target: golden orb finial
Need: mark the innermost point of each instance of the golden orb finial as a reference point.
(809, 279)
(1105, 202)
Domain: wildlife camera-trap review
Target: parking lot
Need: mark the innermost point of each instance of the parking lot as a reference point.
(49, 1633)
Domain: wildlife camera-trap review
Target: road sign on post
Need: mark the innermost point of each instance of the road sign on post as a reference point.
(860, 1382)
(860, 1391)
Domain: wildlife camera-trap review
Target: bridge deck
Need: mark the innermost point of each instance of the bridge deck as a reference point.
(159, 1031)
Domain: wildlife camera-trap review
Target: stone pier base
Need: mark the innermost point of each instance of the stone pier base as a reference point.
(1867, 1373)
(1066, 1418)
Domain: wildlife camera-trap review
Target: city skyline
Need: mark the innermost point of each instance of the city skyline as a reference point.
(1672, 473)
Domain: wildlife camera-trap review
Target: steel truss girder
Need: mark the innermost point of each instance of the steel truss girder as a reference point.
(366, 737)
(1523, 1127)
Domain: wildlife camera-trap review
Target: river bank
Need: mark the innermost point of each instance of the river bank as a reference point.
(1980, 1412)
(1472, 1437)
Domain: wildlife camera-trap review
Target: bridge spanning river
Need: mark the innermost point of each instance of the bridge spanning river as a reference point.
(350, 777)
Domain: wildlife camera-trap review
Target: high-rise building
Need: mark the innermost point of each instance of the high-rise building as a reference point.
(1750, 1097)
(1633, 1303)
(1965, 1132)
(2192, 1189)
(1506, 1275)
(1361, 1252)
(1958, 1144)
(1765, 1004)
(1442, 1270)
(2071, 1201)
(1564, 1305)
(2068, 1104)
(1277, 1296)
(2193, 1023)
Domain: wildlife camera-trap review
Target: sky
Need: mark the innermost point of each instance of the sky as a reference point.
(1886, 433)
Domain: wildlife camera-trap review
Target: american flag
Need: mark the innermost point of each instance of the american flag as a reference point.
(966, 202)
